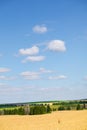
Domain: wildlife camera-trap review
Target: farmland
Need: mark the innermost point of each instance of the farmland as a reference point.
(59, 120)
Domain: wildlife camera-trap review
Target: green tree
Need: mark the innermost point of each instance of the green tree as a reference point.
(61, 108)
(31, 110)
(38, 109)
(20, 111)
(42, 109)
(48, 109)
(84, 106)
(68, 108)
(78, 107)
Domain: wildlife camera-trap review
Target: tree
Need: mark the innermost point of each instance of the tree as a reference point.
(61, 108)
(78, 107)
(42, 109)
(39, 109)
(31, 110)
(84, 106)
(68, 108)
(48, 109)
(20, 111)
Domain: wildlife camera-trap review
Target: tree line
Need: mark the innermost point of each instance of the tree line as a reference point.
(69, 107)
(27, 110)
(39, 109)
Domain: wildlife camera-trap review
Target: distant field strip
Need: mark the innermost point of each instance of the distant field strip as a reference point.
(61, 120)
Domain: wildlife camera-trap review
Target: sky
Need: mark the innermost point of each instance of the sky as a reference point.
(43, 50)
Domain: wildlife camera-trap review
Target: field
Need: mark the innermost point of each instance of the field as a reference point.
(60, 120)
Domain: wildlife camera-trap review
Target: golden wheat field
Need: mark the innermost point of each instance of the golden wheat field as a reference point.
(61, 120)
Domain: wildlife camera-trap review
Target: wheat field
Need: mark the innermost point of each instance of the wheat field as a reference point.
(60, 120)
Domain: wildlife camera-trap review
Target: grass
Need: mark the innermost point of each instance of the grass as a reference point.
(64, 120)
(10, 108)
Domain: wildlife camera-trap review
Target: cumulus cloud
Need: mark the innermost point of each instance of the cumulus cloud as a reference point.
(40, 29)
(43, 70)
(57, 77)
(2, 70)
(56, 45)
(33, 59)
(33, 75)
(2, 77)
(6, 78)
(29, 51)
(30, 75)
(2, 84)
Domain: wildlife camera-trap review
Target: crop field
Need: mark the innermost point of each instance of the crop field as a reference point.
(60, 120)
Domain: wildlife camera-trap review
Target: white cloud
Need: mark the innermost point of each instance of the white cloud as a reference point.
(2, 70)
(40, 29)
(56, 45)
(33, 75)
(29, 51)
(57, 77)
(6, 78)
(30, 75)
(43, 70)
(34, 59)
(2, 77)
(2, 84)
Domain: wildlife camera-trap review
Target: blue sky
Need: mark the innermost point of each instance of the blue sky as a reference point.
(43, 50)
